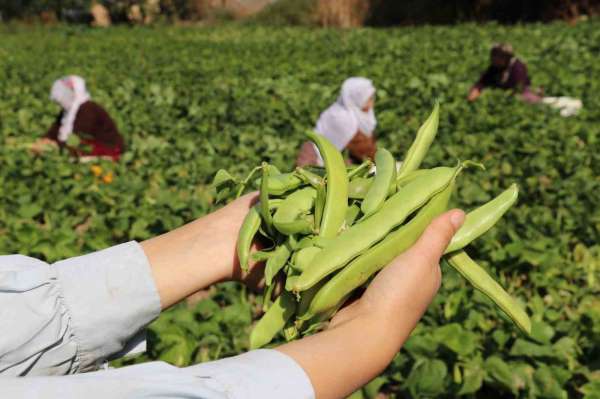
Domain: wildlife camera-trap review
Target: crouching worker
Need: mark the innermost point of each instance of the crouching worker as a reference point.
(349, 123)
(97, 132)
(507, 72)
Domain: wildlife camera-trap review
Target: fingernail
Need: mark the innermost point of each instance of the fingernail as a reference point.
(457, 218)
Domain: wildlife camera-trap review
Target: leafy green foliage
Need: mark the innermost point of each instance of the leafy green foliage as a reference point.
(193, 101)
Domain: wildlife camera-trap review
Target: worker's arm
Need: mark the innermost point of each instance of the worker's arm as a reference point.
(364, 338)
(362, 147)
(474, 93)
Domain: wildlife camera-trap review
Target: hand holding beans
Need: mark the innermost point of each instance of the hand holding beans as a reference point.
(352, 225)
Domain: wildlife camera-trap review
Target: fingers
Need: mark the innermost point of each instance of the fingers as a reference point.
(437, 236)
(434, 240)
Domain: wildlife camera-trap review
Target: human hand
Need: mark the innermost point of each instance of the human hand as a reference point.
(403, 290)
(363, 338)
(41, 145)
(201, 253)
(474, 93)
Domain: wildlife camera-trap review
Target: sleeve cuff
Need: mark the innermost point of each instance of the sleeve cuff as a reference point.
(263, 373)
(111, 297)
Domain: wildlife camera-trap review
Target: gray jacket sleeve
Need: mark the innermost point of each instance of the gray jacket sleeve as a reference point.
(72, 316)
(260, 374)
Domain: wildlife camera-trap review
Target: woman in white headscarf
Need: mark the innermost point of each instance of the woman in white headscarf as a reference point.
(84, 118)
(349, 123)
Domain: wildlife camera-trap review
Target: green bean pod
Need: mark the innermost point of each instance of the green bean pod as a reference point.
(249, 228)
(336, 200)
(303, 258)
(264, 199)
(309, 178)
(267, 297)
(480, 220)
(279, 184)
(304, 243)
(420, 146)
(273, 321)
(290, 281)
(261, 256)
(410, 176)
(483, 282)
(322, 242)
(359, 186)
(362, 236)
(393, 185)
(291, 216)
(306, 298)
(352, 214)
(385, 177)
(276, 262)
(320, 204)
(362, 268)
(316, 322)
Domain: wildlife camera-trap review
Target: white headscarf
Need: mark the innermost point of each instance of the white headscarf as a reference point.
(69, 92)
(340, 122)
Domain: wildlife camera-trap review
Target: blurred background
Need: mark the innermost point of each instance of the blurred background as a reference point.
(339, 13)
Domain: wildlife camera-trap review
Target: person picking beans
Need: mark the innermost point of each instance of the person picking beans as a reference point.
(349, 123)
(84, 118)
(505, 72)
(69, 318)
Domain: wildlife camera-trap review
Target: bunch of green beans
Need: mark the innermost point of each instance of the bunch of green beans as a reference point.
(328, 231)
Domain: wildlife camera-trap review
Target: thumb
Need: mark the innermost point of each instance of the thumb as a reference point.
(436, 237)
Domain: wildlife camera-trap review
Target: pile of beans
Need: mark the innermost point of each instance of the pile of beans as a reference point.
(328, 231)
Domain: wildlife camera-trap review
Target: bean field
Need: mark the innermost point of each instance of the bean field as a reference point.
(191, 101)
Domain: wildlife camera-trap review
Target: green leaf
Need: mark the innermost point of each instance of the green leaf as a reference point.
(591, 390)
(472, 380)
(427, 378)
(529, 349)
(421, 346)
(501, 373)
(541, 332)
(546, 385)
(29, 211)
(455, 338)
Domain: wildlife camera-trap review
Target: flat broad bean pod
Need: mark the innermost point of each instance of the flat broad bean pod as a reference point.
(480, 220)
(282, 183)
(317, 322)
(264, 199)
(290, 217)
(249, 228)
(336, 200)
(276, 262)
(410, 176)
(483, 282)
(308, 177)
(320, 203)
(420, 146)
(273, 321)
(303, 258)
(383, 183)
(359, 186)
(362, 236)
(352, 214)
(362, 268)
